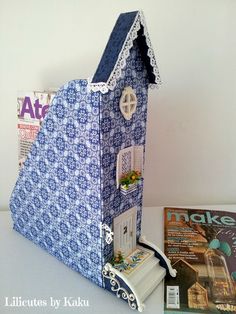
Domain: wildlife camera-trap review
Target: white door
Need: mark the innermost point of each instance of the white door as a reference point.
(124, 227)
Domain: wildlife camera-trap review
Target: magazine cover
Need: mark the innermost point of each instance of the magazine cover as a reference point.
(201, 245)
(31, 110)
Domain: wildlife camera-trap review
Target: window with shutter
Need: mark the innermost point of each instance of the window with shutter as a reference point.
(124, 163)
(138, 158)
(128, 160)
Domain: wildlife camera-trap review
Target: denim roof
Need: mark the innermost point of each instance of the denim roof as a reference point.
(115, 44)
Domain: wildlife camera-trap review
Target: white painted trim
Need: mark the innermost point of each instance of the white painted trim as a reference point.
(108, 268)
(172, 271)
(108, 233)
(118, 171)
(138, 158)
(127, 102)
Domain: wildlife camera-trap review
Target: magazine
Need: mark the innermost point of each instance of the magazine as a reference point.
(201, 245)
(31, 110)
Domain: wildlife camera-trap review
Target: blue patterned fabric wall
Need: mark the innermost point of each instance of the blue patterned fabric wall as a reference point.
(56, 202)
(118, 133)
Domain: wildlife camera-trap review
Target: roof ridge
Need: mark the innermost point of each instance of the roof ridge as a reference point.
(105, 79)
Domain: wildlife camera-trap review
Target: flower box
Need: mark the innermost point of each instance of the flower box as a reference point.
(129, 182)
(128, 189)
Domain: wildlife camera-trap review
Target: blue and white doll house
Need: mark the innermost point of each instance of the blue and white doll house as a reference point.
(79, 194)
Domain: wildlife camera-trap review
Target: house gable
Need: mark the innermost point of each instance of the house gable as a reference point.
(129, 27)
(187, 276)
(114, 46)
(182, 263)
(197, 286)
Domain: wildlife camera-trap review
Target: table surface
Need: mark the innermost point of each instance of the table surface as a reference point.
(29, 272)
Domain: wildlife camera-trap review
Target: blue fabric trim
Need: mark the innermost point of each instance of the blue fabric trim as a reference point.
(115, 44)
(113, 47)
(141, 41)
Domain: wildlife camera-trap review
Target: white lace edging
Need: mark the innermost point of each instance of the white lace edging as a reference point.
(116, 73)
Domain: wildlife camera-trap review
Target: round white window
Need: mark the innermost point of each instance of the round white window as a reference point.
(128, 103)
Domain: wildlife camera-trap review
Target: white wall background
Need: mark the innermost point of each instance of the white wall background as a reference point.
(191, 138)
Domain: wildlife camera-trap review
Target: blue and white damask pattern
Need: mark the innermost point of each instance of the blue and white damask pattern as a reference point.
(67, 187)
(56, 202)
(129, 27)
(120, 134)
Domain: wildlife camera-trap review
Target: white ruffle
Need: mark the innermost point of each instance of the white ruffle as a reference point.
(115, 75)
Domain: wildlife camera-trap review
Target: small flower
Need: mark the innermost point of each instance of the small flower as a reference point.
(129, 178)
(118, 258)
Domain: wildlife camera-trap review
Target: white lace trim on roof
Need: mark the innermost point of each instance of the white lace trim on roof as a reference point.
(115, 75)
